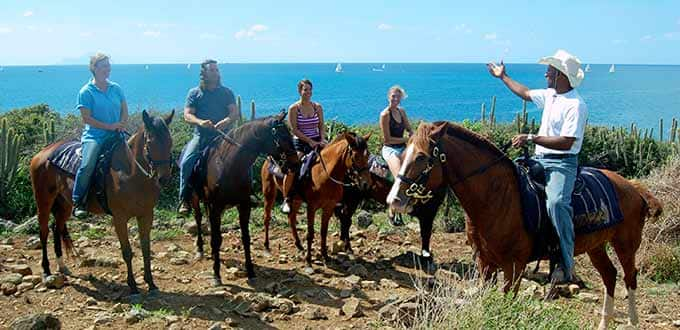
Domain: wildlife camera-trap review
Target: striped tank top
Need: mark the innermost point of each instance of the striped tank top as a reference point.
(308, 126)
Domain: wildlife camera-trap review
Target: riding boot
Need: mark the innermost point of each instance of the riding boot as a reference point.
(80, 210)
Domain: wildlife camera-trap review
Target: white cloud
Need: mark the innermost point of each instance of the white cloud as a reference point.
(5, 30)
(86, 34)
(155, 25)
(463, 28)
(252, 32)
(28, 13)
(208, 36)
(672, 35)
(385, 27)
(491, 36)
(152, 33)
(647, 38)
(619, 41)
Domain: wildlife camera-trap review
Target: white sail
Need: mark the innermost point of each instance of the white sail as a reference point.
(612, 69)
(338, 68)
(146, 67)
(587, 67)
(188, 66)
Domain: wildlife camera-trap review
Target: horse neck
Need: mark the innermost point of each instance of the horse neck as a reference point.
(335, 165)
(134, 151)
(251, 146)
(489, 197)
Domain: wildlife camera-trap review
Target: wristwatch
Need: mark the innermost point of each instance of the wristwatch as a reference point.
(530, 137)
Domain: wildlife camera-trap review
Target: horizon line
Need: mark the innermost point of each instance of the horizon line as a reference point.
(237, 62)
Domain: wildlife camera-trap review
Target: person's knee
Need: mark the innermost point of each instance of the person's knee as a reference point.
(557, 204)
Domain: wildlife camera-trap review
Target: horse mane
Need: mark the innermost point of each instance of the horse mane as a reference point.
(247, 130)
(421, 139)
(361, 143)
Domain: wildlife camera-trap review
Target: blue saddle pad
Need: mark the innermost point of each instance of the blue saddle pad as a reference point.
(67, 157)
(595, 206)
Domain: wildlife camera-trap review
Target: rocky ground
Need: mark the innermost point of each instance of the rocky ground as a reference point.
(364, 290)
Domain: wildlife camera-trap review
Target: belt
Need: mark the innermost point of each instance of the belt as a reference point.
(555, 156)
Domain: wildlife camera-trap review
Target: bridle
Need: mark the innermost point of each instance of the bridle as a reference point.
(282, 160)
(418, 190)
(353, 173)
(153, 163)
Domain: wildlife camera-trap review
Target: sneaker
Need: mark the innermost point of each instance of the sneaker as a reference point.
(285, 208)
(184, 208)
(80, 212)
(395, 220)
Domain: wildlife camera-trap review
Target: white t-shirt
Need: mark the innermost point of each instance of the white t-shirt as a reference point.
(563, 115)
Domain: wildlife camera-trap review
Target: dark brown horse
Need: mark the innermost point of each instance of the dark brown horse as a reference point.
(345, 157)
(484, 181)
(228, 180)
(132, 190)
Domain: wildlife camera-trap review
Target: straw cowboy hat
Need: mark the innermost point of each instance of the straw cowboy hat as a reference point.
(566, 63)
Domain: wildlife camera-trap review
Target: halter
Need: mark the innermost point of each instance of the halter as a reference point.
(417, 189)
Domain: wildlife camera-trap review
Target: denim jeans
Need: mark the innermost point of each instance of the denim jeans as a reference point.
(191, 154)
(560, 176)
(90, 151)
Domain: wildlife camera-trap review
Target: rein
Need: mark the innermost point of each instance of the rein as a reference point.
(147, 155)
(350, 171)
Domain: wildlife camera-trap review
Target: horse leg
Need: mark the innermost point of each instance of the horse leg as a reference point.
(144, 224)
(44, 220)
(626, 254)
(269, 194)
(120, 225)
(426, 259)
(215, 215)
(198, 217)
(512, 276)
(244, 219)
(599, 259)
(310, 234)
(325, 218)
(292, 221)
(345, 224)
(61, 213)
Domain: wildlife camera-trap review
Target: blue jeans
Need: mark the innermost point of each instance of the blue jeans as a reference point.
(560, 176)
(90, 151)
(191, 154)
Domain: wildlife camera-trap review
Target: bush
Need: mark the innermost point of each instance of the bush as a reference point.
(661, 263)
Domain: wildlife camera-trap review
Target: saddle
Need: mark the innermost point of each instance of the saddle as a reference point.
(67, 158)
(594, 202)
(200, 169)
(378, 166)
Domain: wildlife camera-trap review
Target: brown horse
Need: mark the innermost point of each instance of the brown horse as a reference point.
(346, 157)
(228, 182)
(132, 190)
(484, 181)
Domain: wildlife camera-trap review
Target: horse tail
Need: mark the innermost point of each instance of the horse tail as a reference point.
(653, 206)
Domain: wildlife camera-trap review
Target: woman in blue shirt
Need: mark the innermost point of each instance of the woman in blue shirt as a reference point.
(104, 111)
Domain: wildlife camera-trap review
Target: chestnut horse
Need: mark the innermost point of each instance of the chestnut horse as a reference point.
(346, 157)
(484, 181)
(132, 190)
(228, 181)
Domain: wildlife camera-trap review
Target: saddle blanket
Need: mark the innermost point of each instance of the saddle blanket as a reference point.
(67, 157)
(594, 202)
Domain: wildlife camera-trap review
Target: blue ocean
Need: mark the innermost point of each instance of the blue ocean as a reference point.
(634, 93)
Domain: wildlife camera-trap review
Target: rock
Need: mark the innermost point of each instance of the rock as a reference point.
(234, 273)
(345, 293)
(170, 319)
(8, 289)
(216, 326)
(676, 323)
(25, 286)
(20, 269)
(260, 303)
(283, 259)
(178, 261)
(36, 321)
(191, 228)
(11, 278)
(364, 219)
(134, 315)
(30, 226)
(414, 226)
(653, 309)
(388, 284)
(573, 289)
(103, 318)
(352, 307)
(369, 285)
(33, 243)
(230, 322)
(55, 281)
(337, 247)
(87, 262)
(353, 279)
(358, 270)
(117, 308)
(90, 301)
(6, 225)
(107, 262)
(7, 241)
(314, 313)
(34, 279)
(285, 306)
(588, 297)
(173, 248)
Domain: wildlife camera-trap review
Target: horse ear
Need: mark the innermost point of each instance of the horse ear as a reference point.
(148, 123)
(350, 139)
(168, 119)
(282, 115)
(437, 131)
(368, 136)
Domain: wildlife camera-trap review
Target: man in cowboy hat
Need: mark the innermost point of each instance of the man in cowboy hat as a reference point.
(558, 142)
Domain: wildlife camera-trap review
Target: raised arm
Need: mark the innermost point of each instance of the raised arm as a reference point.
(498, 71)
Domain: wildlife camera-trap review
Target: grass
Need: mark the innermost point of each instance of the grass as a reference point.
(164, 235)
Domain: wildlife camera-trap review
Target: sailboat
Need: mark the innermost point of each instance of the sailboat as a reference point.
(189, 66)
(146, 67)
(612, 69)
(587, 67)
(338, 68)
(382, 68)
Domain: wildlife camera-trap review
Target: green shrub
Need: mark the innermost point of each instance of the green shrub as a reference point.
(661, 263)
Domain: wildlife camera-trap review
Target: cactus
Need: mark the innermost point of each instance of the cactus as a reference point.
(533, 125)
(674, 129)
(48, 131)
(492, 113)
(518, 119)
(252, 109)
(9, 157)
(661, 129)
(483, 113)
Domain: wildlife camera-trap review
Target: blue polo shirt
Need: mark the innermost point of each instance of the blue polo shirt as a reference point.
(212, 105)
(105, 107)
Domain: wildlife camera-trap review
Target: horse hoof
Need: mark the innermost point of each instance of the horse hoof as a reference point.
(65, 271)
(217, 282)
(299, 247)
(135, 298)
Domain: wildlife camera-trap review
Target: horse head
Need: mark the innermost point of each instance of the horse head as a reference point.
(282, 149)
(158, 145)
(421, 169)
(357, 163)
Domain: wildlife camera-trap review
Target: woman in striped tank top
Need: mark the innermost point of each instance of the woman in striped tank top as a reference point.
(306, 122)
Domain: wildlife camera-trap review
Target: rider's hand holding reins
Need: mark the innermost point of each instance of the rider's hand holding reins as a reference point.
(207, 124)
(519, 140)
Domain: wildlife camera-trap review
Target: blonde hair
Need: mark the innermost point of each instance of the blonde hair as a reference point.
(397, 88)
(96, 58)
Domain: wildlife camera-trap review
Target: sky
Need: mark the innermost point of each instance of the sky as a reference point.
(252, 31)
